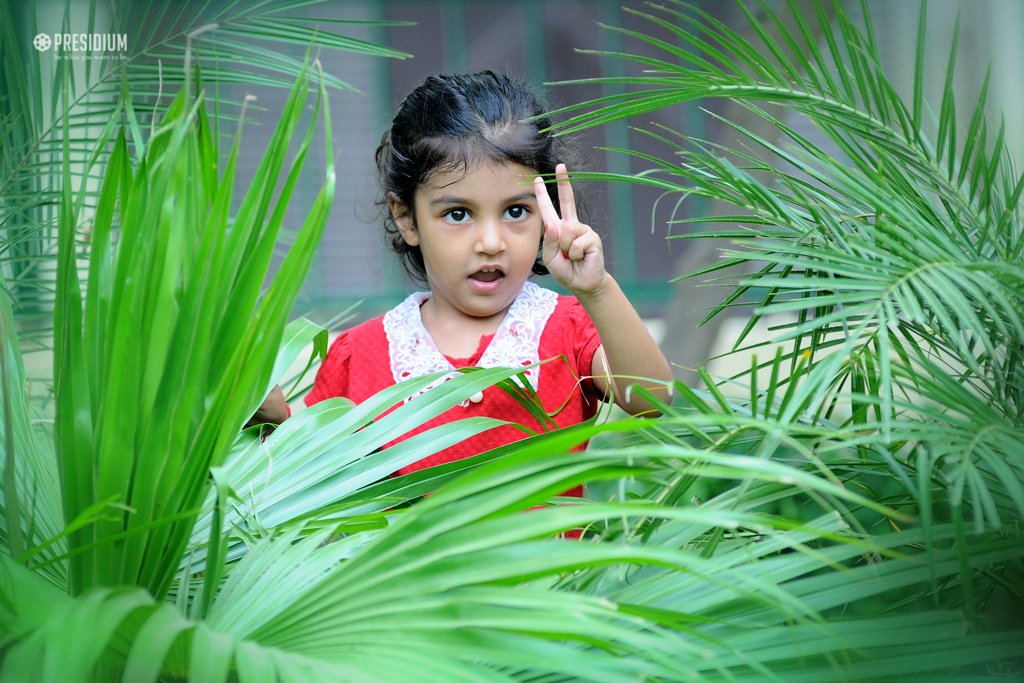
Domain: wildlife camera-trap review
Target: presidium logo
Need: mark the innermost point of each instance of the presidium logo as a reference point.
(83, 45)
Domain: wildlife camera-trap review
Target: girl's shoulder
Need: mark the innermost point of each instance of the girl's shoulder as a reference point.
(351, 355)
(371, 337)
(353, 349)
(358, 339)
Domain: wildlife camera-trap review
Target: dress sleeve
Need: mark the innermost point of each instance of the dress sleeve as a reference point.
(584, 339)
(333, 377)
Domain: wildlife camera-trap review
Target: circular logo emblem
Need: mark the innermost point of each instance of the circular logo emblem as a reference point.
(42, 42)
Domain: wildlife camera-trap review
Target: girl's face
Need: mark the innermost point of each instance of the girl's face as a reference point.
(479, 232)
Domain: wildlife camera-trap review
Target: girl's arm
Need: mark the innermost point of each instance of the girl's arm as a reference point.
(627, 348)
(274, 409)
(573, 254)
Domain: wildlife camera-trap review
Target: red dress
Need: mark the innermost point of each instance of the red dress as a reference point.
(365, 359)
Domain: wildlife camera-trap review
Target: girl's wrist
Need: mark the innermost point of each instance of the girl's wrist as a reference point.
(594, 294)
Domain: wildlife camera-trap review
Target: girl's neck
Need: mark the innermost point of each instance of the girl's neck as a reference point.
(456, 334)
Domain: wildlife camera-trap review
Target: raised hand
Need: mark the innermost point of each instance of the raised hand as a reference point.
(572, 251)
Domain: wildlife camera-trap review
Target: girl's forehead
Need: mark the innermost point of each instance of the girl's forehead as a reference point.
(479, 176)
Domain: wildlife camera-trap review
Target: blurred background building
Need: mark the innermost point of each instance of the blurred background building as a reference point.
(531, 39)
(550, 41)
(543, 41)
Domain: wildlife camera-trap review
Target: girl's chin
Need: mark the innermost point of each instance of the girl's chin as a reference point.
(487, 306)
(487, 311)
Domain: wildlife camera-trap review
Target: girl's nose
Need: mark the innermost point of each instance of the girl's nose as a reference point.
(489, 239)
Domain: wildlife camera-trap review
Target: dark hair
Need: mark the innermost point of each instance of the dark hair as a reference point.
(450, 122)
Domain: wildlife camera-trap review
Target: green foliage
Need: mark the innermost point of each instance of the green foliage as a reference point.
(185, 292)
(54, 109)
(893, 248)
(853, 517)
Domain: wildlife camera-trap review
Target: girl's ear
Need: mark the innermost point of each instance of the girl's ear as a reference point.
(403, 218)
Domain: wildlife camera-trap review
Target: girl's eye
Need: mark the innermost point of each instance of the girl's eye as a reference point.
(456, 215)
(516, 213)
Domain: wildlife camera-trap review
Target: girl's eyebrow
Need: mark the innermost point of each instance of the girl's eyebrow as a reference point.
(448, 199)
(452, 199)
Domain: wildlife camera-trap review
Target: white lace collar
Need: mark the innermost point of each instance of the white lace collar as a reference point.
(515, 344)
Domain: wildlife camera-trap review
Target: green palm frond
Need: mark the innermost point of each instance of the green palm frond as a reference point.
(845, 510)
(893, 249)
(30, 476)
(237, 42)
(470, 585)
(183, 282)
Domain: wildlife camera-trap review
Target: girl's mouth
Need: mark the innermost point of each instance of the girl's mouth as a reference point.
(487, 274)
(486, 279)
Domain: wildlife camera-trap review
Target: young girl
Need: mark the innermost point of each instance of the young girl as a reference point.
(456, 170)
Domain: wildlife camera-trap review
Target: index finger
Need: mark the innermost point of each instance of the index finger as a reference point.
(547, 209)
